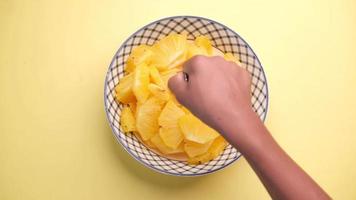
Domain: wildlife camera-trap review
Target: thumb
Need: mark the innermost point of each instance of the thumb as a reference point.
(178, 85)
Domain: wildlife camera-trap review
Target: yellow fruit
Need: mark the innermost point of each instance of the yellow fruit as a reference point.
(149, 144)
(172, 137)
(141, 81)
(137, 135)
(158, 92)
(158, 142)
(173, 98)
(194, 149)
(205, 43)
(147, 117)
(139, 55)
(166, 75)
(231, 57)
(128, 122)
(186, 110)
(194, 50)
(123, 90)
(156, 77)
(168, 120)
(170, 115)
(215, 149)
(132, 106)
(197, 160)
(170, 51)
(195, 130)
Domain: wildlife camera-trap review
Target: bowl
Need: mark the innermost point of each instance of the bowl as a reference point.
(225, 40)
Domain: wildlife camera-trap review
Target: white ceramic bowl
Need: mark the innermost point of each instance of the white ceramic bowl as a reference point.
(224, 39)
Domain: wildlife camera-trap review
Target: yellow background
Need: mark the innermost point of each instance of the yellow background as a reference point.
(55, 142)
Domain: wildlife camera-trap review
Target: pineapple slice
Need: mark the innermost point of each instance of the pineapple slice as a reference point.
(128, 122)
(172, 137)
(158, 92)
(150, 144)
(186, 110)
(141, 81)
(194, 149)
(170, 51)
(194, 50)
(147, 117)
(170, 115)
(166, 75)
(156, 77)
(216, 148)
(170, 132)
(195, 130)
(162, 147)
(173, 98)
(133, 106)
(204, 43)
(139, 55)
(123, 90)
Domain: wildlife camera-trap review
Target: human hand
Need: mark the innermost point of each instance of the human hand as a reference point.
(217, 91)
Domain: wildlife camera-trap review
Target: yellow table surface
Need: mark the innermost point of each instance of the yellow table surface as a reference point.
(55, 141)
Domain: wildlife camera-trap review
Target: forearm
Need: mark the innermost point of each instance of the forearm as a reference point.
(281, 176)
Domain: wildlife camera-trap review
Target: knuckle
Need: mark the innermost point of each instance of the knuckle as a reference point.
(197, 60)
(176, 84)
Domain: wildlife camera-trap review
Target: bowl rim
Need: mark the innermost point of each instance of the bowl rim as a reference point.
(106, 106)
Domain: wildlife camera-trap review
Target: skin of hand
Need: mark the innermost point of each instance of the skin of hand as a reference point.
(219, 93)
(214, 95)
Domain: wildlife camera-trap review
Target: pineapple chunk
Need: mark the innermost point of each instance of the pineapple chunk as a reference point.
(140, 84)
(147, 118)
(168, 120)
(194, 50)
(170, 51)
(139, 55)
(195, 130)
(170, 115)
(128, 122)
(133, 106)
(149, 144)
(194, 149)
(166, 75)
(172, 137)
(158, 142)
(123, 90)
(204, 43)
(216, 148)
(158, 92)
(156, 77)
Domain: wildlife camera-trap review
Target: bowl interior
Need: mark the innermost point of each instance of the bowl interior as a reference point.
(223, 39)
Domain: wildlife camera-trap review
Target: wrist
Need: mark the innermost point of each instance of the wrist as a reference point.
(245, 131)
(238, 121)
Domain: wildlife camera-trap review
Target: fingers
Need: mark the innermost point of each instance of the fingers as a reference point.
(199, 63)
(192, 64)
(178, 84)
